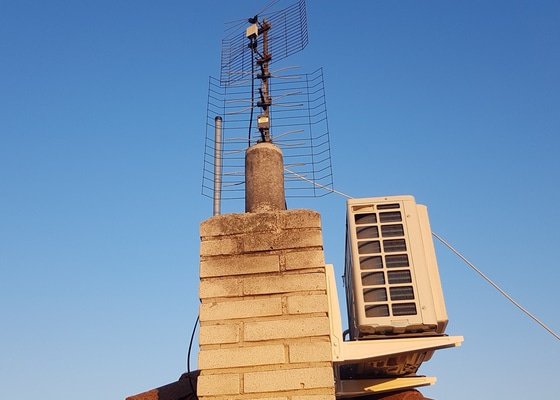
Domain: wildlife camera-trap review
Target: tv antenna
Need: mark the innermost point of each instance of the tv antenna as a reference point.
(255, 100)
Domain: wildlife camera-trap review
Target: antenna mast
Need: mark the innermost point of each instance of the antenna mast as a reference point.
(256, 30)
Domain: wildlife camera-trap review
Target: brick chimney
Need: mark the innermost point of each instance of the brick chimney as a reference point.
(264, 325)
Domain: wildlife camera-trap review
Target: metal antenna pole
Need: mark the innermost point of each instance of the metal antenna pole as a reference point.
(265, 101)
(217, 164)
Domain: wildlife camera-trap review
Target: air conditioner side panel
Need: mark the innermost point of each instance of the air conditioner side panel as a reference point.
(433, 270)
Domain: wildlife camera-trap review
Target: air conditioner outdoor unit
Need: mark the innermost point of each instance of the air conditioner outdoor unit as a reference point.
(391, 274)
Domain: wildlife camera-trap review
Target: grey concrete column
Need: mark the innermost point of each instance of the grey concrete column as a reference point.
(264, 178)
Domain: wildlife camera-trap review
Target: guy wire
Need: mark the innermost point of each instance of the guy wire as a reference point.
(495, 286)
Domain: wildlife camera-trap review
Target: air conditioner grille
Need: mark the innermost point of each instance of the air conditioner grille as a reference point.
(375, 278)
(404, 309)
(393, 216)
(391, 275)
(369, 247)
(374, 295)
(394, 246)
(397, 261)
(388, 206)
(392, 230)
(402, 293)
(365, 219)
(396, 277)
(371, 262)
(382, 246)
(377, 311)
(368, 232)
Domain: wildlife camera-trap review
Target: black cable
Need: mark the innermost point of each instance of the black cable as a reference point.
(189, 357)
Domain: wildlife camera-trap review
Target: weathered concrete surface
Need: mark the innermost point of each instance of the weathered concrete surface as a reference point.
(265, 331)
(246, 223)
(264, 178)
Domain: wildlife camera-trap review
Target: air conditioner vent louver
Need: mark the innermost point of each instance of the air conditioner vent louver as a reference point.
(391, 269)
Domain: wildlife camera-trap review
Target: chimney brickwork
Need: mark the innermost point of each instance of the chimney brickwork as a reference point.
(264, 325)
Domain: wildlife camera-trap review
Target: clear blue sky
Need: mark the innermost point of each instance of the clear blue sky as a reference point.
(102, 118)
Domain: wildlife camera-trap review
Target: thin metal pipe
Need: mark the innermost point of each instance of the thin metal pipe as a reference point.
(217, 164)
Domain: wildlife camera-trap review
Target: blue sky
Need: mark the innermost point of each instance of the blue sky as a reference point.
(102, 119)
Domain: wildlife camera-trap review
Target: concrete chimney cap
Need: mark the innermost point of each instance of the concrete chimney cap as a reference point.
(264, 178)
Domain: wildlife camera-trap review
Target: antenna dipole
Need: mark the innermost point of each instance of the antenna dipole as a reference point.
(256, 30)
